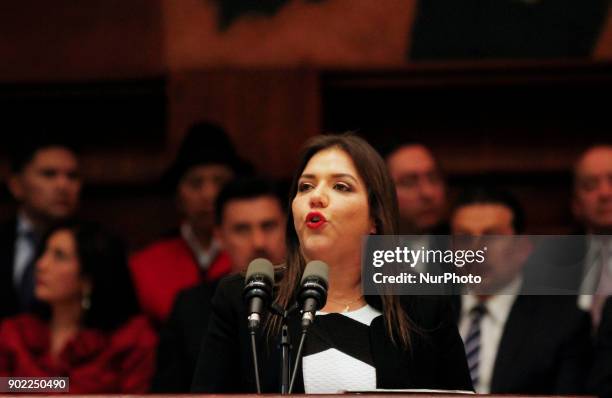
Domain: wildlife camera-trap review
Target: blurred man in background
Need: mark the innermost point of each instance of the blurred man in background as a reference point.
(592, 204)
(592, 207)
(516, 344)
(206, 161)
(421, 196)
(421, 191)
(250, 219)
(45, 181)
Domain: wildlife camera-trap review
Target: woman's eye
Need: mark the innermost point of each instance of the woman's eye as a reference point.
(59, 255)
(342, 187)
(304, 186)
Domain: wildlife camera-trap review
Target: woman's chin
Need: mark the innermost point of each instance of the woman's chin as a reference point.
(317, 247)
(40, 292)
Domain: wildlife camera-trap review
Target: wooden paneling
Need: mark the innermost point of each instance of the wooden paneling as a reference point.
(520, 125)
(494, 117)
(517, 125)
(72, 40)
(268, 113)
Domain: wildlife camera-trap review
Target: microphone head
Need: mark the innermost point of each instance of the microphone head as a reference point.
(317, 269)
(260, 266)
(258, 283)
(313, 290)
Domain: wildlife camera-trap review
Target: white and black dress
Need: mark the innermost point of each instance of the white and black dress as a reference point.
(337, 355)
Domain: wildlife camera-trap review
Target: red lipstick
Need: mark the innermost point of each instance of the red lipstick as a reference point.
(315, 220)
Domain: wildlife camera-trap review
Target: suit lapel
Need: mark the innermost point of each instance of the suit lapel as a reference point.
(8, 235)
(518, 325)
(8, 296)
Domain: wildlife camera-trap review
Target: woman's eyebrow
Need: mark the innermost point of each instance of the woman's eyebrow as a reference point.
(335, 175)
(344, 175)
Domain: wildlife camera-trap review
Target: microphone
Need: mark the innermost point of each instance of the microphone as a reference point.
(312, 296)
(313, 291)
(257, 292)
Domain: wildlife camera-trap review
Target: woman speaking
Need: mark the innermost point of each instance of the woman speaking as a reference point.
(341, 192)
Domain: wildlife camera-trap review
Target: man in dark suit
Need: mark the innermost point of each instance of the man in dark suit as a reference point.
(592, 207)
(250, 223)
(46, 184)
(516, 344)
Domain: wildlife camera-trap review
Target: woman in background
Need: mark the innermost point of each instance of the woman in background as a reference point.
(341, 192)
(86, 326)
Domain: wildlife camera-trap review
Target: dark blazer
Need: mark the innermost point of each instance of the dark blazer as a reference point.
(600, 381)
(556, 266)
(436, 359)
(180, 339)
(9, 301)
(545, 347)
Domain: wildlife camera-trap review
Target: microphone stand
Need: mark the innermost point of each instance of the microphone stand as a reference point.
(285, 345)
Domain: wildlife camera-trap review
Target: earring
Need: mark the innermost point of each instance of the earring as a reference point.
(86, 300)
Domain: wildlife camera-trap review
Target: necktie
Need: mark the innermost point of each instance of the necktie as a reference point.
(26, 286)
(604, 285)
(472, 342)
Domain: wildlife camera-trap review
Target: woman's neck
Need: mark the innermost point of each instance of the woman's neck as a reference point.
(64, 325)
(344, 284)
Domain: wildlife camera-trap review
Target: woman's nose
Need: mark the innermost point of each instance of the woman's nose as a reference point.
(40, 264)
(318, 198)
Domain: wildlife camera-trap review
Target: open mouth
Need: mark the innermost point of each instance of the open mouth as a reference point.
(315, 220)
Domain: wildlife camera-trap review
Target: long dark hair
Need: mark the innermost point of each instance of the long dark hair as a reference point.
(383, 208)
(103, 259)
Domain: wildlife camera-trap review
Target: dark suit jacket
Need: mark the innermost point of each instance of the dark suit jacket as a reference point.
(9, 301)
(600, 381)
(180, 338)
(545, 347)
(436, 359)
(556, 266)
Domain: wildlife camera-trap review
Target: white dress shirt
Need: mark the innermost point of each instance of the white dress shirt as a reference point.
(203, 257)
(25, 249)
(599, 252)
(491, 328)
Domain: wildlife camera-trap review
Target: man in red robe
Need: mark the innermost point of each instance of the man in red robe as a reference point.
(206, 160)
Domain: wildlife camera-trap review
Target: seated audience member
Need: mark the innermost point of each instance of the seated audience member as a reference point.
(516, 344)
(601, 374)
(45, 182)
(249, 223)
(205, 162)
(420, 187)
(86, 325)
(421, 197)
(592, 207)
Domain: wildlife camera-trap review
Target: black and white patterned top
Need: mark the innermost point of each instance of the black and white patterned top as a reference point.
(337, 354)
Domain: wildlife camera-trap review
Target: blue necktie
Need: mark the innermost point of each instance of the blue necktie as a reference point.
(26, 286)
(472, 342)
